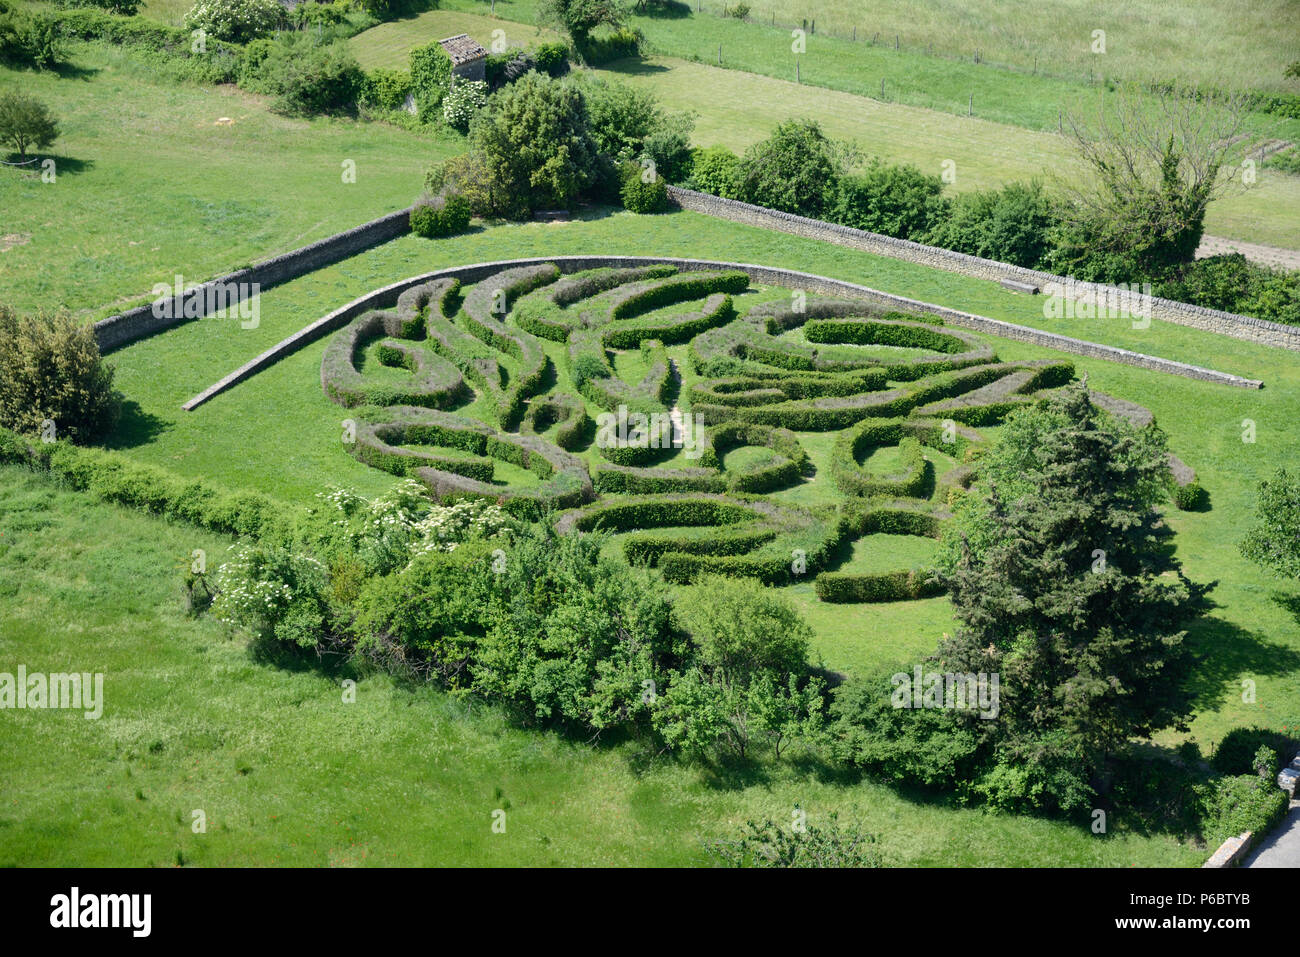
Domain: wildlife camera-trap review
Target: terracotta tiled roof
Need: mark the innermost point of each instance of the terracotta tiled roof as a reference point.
(462, 49)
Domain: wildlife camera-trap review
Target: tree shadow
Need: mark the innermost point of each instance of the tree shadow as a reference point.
(136, 427)
(633, 66)
(662, 9)
(1288, 603)
(1225, 652)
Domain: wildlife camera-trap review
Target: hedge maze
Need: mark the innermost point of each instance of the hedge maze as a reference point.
(677, 410)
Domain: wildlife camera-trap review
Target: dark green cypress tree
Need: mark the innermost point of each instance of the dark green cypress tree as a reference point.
(1074, 597)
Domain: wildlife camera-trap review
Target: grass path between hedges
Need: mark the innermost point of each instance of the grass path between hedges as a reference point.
(277, 432)
(288, 774)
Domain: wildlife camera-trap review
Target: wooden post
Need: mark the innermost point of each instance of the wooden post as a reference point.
(796, 70)
(1059, 127)
(814, 27)
(970, 104)
(895, 41)
(719, 54)
(855, 33)
(882, 87)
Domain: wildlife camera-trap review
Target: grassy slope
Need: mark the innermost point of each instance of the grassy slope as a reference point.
(150, 185)
(288, 774)
(726, 103)
(295, 451)
(1233, 43)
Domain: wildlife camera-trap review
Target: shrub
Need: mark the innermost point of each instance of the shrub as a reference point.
(616, 45)
(1011, 225)
(28, 39)
(1235, 754)
(642, 191)
(629, 124)
(1234, 284)
(26, 122)
(1234, 805)
(767, 845)
(430, 77)
(442, 215)
(235, 20)
(1190, 497)
(124, 8)
(797, 170)
(305, 77)
(897, 201)
(386, 89)
(715, 170)
(463, 100)
(50, 369)
(552, 58)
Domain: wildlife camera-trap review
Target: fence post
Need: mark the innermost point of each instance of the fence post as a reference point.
(719, 54)
(970, 104)
(796, 70)
(882, 87)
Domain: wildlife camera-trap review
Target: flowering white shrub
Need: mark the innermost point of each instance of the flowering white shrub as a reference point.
(237, 20)
(273, 591)
(463, 100)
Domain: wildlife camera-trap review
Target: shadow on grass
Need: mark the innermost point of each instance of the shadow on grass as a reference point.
(1288, 603)
(662, 10)
(136, 427)
(1225, 652)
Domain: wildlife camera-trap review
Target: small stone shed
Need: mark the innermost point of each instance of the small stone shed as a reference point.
(468, 59)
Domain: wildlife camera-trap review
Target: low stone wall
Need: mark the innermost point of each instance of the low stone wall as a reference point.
(117, 331)
(1183, 314)
(1231, 851)
(767, 275)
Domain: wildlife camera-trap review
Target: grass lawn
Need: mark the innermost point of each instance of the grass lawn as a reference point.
(150, 184)
(1236, 43)
(286, 773)
(989, 149)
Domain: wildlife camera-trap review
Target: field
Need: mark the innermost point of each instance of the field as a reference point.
(156, 178)
(1011, 136)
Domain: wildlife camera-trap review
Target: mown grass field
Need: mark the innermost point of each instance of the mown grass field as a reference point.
(1234, 43)
(288, 774)
(740, 106)
(149, 183)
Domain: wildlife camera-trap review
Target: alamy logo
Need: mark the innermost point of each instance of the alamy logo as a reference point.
(946, 690)
(181, 301)
(55, 691)
(74, 909)
(1072, 299)
(659, 430)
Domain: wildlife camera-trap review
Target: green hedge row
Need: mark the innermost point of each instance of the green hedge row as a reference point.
(809, 547)
(718, 311)
(877, 332)
(867, 519)
(889, 586)
(663, 511)
(435, 382)
(681, 288)
(648, 549)
(112, 477)
(625, 480)
(851, 479)
(564, 411)
(581, 286)
(379, 445)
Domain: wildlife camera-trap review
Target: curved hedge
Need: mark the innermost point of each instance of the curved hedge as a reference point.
(435, 382)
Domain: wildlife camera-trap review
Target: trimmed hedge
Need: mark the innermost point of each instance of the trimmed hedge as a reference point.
(718, 311)
(889, 586)
(681, 288)
(851, 479)
(621, 479)
(566, 412)
(113, 477)
(435, 382)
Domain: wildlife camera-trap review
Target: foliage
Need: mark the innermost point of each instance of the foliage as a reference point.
(1066, 588)
(305, 77)
(1234, 805)
(579, 18)
(745, 630)
(768, 845)
(552, 58)
(1274, 540)
(462, 103)
(629, 124)
(898, 201)
(235, 20)
(715, 170)
(50, 369)
(1190, 497)
(26, 122)
(276, 592)
(797, 170)
(1234, 284)
(1012, 225)
(386, 89)
(443, 215)
(430, 77)
(27, 39)
(643, 192)
(532, 149)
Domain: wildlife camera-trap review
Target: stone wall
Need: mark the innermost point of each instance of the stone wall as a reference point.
(767, 275)
(117, 331)
(1197, 317)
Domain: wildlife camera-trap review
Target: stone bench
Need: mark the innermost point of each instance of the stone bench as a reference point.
(552, 215)
(1015, 285)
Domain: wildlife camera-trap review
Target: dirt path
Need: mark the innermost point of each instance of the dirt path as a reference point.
(1255, 252)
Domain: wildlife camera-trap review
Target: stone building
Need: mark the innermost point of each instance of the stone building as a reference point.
(468, 59)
